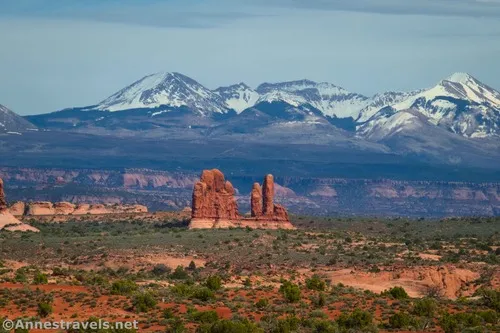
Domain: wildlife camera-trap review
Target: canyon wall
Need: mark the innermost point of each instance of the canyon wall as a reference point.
(162, 190)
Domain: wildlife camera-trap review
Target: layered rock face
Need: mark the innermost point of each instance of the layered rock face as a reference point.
(66, 208)
(214, 205)
(7, 220)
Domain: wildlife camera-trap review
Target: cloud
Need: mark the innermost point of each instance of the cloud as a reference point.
(174, 13)
(468, 8)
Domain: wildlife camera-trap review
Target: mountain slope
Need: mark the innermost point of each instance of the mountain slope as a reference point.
(238, 96)
(333, 101)
(460, 104)
(165, 89)
(409, 132)
(13, 123)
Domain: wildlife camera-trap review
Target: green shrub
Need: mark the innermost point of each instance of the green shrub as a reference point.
(179, 274)
(182, 289)
(400, 320)
(21, 276)
(490, 298)
(40, 278)
(159, 270)
(230, 326)
(204, 317)
(290, 291)
(143, 301)
(358, 320)
(203, 294)
(397, 293)
(214, 282)
(123, 287)
(425, 307)
(315, 283)
(262, 303)
(44, 309)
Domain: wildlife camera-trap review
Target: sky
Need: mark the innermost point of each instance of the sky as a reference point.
(56, 54)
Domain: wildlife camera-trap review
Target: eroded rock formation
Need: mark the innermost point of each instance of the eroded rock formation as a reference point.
(3, 203)
(66, 208)
(214, 205)
(256, 200)
(7, 220)
(18, 208)
(213, 197)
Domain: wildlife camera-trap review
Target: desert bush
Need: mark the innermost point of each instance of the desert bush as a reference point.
(44, 309)
(401, 320)
(357, 320)
(315, 283)
(179, 274)
(204, 317)
(160, 269)
(230, 326)
(319, 301)
(425, 307)
(213, 282)
(21, 276)
(123, 287)
(143, 301)
(490, 298)
(290, 291)
(203, 294)
(40, 278)
(262, 303)
(397, 293)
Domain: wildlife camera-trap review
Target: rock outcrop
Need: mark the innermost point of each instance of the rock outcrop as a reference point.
(214, 205)
(256, 200)
(213, 197)
(66, 208)
(268, 209)
(3, 202)
(7, 220)
(18, 208)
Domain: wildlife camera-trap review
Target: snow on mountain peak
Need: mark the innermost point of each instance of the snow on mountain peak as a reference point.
(460, 77)
(238, 96)
(165, 89)
(330, 99)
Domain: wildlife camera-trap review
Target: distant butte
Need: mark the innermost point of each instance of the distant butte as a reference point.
(214, 205)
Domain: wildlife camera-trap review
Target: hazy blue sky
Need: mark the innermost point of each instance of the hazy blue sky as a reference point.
(62, 53)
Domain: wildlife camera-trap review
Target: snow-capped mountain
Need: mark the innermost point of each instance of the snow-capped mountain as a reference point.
(333, 101)
(238, 96)
(380, 101)
(460, 103)
(388, 123)
(165, 89)
(10, 122)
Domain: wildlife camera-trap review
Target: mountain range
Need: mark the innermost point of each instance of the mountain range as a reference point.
(454, 123)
